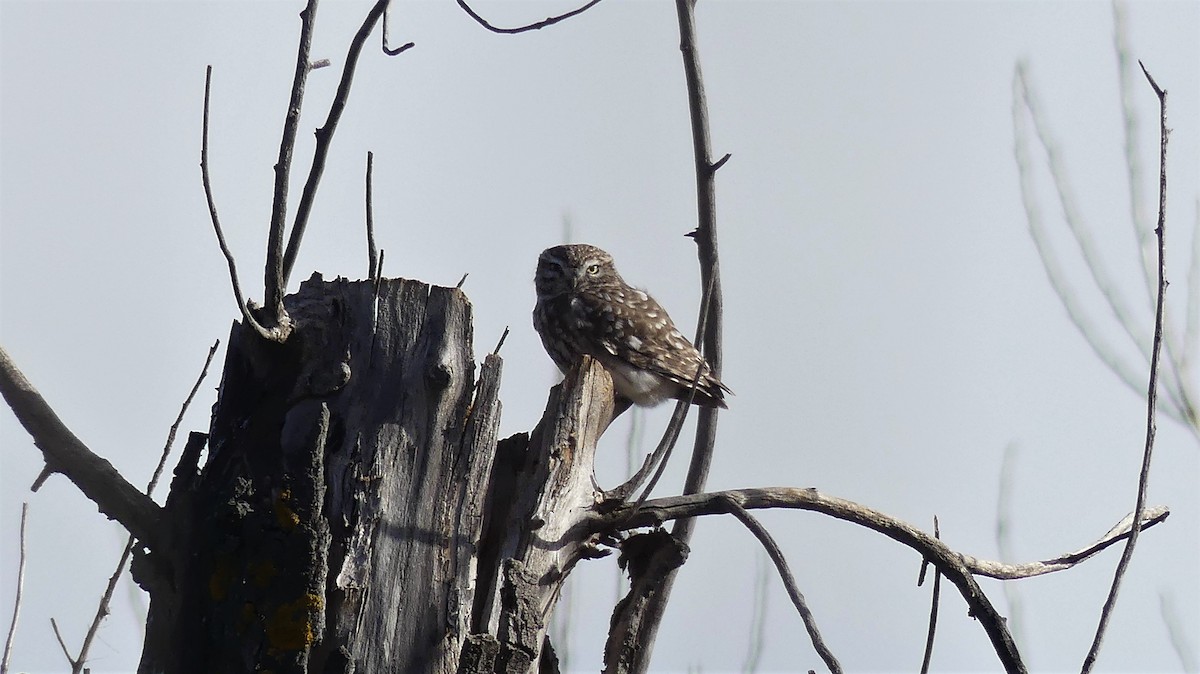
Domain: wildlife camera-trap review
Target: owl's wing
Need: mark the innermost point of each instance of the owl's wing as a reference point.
(636, 330)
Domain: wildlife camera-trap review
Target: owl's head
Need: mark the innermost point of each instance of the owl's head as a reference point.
(573, 267)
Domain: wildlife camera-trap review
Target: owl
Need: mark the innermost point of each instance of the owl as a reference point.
(585, 307)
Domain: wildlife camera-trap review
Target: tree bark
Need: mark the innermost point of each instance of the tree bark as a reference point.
(338, 523)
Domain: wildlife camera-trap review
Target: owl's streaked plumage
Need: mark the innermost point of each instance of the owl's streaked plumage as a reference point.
(585, 307)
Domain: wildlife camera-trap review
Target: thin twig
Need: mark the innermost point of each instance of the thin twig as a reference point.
(548, 21)
(162, 460)
(385, 37)
(216, 222)
(372, 252)
(325, 137)
(12, 627)
(276, 277)
(789, 582)
(62, 644)
(1152, 389)
(102, 610)
(933, 608)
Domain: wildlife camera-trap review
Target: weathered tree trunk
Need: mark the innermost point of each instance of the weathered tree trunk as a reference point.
(337, 524)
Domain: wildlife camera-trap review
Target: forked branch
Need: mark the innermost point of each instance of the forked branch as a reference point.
(956, 567)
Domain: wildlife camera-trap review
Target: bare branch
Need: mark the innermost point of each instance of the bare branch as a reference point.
(275, 334)
(538, 25)
(276, 276)
(102, 610)
(385, 37)
(789, 582)
(325, 137)
(162, 461)
(957, 567)
(1152, 392)
(65, 453)
(372, 251)
(705, 237)
(12, 627)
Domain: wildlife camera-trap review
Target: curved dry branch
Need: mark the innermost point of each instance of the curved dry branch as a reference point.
(1152, 392)
(956, 567)
(656, 511)
(65, 453)
(325, 137)
(789, 582)
(278, 333)
(537, 25)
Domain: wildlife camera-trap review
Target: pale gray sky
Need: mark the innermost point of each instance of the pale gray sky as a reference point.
(889, 326)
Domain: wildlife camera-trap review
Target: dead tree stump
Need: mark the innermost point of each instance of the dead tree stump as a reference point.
(338, 521)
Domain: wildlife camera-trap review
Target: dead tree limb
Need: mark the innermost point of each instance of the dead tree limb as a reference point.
(66, 454)
(956, 567)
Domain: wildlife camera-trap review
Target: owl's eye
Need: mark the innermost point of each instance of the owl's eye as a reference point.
(593, 269)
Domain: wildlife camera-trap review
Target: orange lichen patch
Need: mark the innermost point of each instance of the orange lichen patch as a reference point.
(291, 626)
(284, 515)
